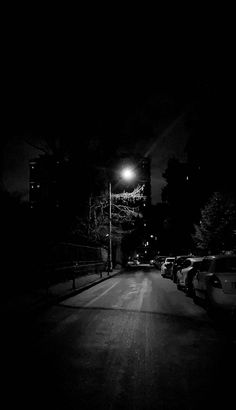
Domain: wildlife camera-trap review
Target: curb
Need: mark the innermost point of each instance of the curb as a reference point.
(75, 292)
(53, 300)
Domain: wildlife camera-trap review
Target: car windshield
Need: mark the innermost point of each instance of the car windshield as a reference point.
(205, 265)
(197, 264)
(169, 259)
(180, 260)
(226, 265)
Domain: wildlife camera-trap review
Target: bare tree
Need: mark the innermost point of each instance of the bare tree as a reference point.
(125, 210)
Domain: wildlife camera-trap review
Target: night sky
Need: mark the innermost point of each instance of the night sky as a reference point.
(128, 99)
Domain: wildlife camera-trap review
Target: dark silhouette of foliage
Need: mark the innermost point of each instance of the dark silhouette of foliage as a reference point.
(216, 230)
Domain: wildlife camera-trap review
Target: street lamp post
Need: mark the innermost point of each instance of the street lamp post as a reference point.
(127, 174)
(110, 233)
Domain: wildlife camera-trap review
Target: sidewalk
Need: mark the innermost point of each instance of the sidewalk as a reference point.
(42, 298)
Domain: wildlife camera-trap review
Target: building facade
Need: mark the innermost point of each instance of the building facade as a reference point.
(47, 182)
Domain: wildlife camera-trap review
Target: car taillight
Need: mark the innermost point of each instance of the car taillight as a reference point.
(215, 282)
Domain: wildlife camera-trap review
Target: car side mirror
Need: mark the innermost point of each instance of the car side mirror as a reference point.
(197, 274)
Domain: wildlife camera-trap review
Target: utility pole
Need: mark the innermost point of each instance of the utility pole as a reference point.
(89, 215)
(127, 174)
(110, 233)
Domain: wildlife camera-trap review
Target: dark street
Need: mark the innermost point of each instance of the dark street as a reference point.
(131, 342)
(117, 165)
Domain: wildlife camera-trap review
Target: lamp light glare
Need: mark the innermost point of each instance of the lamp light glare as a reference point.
(128, 174)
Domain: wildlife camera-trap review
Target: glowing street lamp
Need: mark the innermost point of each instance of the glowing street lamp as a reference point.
(127, 174)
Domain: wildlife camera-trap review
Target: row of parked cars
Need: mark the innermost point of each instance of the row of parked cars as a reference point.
(211, 279)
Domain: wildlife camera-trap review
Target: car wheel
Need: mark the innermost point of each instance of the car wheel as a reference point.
(178, 285)
(208, 306)
(196, 299)
(189, 288)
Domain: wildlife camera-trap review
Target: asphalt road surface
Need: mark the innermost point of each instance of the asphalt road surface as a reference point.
(131, 342)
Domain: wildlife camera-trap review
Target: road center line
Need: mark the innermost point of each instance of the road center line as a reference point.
(102, 294)
(143, 290)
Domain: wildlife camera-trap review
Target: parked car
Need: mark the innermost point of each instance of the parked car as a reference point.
(215, 282)
(186, 273)
(144, 259)
(179, 260)
(166, 267)
(159, 260)
(132, 262)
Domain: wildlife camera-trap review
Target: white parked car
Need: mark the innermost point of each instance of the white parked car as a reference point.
(186, 273)
(166, 267)
(215, 282)
(133, 262)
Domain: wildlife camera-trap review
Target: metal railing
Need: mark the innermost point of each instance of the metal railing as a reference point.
(67, 261)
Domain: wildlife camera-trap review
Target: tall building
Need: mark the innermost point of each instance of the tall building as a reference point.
(144, 166)
(47, 182)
